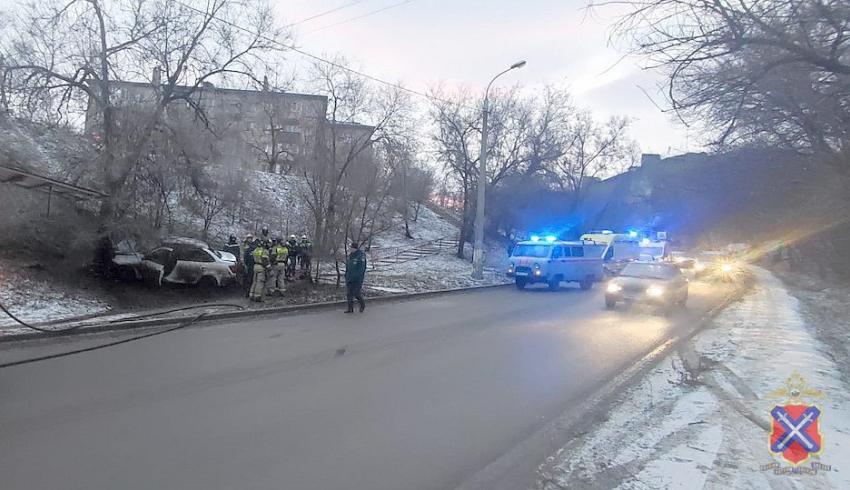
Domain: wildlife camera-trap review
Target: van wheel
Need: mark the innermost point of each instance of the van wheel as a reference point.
(610, 302)
(586, 284)
(521, 284)
(554, 284)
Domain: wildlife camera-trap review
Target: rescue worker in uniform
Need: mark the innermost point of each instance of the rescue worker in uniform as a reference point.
(264, 234)
(261, 266)
(232, 247)
(278, 256)
(306, 247)
(247, 263)
(292, 245)
(355, 272)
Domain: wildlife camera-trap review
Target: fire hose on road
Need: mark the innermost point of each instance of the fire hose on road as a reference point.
(181, 325)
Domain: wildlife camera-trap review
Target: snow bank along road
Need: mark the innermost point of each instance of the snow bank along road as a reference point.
(421, 394)
(714, 429)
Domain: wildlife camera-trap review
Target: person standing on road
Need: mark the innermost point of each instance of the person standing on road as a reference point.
(355, 273)
(261, 266)
(247, 263)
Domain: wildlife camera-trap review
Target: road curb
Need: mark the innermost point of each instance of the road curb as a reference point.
(120, 325)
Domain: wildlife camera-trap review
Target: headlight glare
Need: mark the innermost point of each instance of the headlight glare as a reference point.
(655, 291)
(613, 287)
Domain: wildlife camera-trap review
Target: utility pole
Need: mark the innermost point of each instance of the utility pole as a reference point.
(478, 253)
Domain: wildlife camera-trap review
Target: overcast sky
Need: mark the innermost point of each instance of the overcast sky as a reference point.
(466, 42)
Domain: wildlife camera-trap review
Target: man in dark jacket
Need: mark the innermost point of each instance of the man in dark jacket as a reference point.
(355, 272)
(248, 261)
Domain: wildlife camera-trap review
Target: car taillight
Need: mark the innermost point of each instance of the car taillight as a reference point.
(233, 268)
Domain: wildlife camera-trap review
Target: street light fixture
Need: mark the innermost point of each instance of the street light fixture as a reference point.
(478, 253)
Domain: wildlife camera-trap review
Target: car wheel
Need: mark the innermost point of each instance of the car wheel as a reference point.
(126, 274)
(610, 302)
(208, 282)
(554, 284)
(684, 301)
(586, 284)
(521, 284)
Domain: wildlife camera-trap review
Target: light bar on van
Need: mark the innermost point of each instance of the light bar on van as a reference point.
(633, 234)
(535, 239)
(551, 239)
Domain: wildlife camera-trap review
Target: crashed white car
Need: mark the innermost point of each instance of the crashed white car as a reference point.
(179, 261)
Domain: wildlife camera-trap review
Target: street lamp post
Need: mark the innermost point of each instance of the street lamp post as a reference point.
(478, 253)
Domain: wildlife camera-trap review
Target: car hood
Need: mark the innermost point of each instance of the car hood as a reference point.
(639, 282)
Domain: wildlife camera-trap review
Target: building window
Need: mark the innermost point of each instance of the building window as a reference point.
(137, 97)
(290, 128)
(295, 107)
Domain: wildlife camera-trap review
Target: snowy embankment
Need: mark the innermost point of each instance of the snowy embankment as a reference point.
(37, 301)
(701, 419)
(438, 272)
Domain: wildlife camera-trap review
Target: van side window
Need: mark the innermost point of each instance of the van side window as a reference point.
(557, 252)
(577, 251)
(610, 253)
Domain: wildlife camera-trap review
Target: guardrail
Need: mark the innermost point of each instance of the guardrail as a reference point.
(398, 255)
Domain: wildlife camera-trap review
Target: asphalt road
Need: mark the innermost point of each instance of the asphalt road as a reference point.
(419, 394)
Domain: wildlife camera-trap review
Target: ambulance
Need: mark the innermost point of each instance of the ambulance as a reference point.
(552, 262)
(618, 248)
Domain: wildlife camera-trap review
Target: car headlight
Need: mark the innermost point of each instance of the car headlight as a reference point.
(699, 267)
(655, 291)
(613, 287)
(727, 267)
(679, 260)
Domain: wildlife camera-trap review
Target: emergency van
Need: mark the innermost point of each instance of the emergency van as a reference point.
(618, 249)
(553, 262)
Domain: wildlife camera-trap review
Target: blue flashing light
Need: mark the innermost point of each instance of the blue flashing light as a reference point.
(535, 239)
(551, 238)
(645, 241)
(606, 232)
(633, 234)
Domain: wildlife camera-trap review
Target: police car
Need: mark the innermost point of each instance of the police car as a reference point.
(552, 262)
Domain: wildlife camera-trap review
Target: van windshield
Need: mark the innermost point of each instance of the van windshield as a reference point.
(537, 251)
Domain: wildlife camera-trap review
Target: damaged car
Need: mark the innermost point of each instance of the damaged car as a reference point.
(178, 261)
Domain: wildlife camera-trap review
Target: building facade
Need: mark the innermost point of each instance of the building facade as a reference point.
(258, 129)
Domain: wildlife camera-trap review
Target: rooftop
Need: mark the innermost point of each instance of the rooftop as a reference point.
(212, 88)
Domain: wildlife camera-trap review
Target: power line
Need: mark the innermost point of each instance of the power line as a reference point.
(318, 58)
(388, 7)
(327, 12)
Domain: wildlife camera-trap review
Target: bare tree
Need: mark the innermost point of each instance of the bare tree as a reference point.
(65, 55)
(591, 150)
(773, 72)
(456, 140)
(274, 143)
(359, 117)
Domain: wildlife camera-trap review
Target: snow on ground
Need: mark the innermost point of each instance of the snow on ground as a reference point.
(36, 302)
(701, 419)
(444, 271)
(427, 227)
